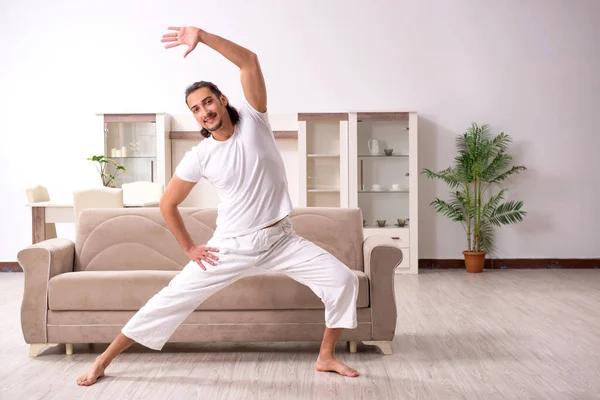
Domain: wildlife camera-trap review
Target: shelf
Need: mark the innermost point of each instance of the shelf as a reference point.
(195, 135)
(382, 116)
(383, 191)
(322, 117)
(394, 226)
(323, 155)
(382, 156)
(323, 190)
(285, 134)
(140, 157)
(132, 118)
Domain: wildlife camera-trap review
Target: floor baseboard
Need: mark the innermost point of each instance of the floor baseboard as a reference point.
(11, 266)
(513, 263)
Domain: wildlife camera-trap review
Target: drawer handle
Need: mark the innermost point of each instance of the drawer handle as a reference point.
(396, 237)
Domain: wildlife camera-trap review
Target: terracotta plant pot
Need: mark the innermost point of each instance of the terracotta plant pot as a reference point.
(474, 261)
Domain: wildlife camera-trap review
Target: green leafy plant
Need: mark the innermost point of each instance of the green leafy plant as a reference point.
(481, 162)
(104, 165)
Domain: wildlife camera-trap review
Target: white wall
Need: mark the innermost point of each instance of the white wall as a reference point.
(527, 68)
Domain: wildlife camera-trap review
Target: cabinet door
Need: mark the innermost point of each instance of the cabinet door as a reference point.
(141, 144)
(380, 167)
(131, 141)
(323, 160)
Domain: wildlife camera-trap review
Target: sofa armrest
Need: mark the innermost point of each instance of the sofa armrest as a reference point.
(40, 263)
(381, 257)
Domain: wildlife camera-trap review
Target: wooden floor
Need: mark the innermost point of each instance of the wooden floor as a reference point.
(503, 334)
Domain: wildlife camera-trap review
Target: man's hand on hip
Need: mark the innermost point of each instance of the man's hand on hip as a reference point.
(202, 253)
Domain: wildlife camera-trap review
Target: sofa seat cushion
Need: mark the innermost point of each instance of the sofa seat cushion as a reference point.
(130, 290)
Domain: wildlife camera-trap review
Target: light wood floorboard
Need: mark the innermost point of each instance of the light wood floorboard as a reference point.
(503, 334)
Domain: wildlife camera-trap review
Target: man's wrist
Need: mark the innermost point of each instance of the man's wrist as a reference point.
(201, 36)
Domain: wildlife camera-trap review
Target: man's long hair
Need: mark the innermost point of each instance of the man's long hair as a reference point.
(233, 114)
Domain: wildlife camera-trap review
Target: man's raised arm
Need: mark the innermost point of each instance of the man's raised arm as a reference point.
(253, 82)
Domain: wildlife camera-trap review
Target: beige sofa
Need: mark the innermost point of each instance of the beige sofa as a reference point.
(85, 292)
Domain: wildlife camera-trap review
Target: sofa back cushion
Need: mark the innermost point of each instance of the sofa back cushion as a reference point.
(139, 239)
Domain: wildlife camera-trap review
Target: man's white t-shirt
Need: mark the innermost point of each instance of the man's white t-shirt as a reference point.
(248, 172)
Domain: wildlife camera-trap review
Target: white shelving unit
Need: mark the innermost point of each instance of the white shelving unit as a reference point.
(139, 142)
(323, 160)
(396, 131)
(337, 169)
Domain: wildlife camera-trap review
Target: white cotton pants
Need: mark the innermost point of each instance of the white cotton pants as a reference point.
(277, 248)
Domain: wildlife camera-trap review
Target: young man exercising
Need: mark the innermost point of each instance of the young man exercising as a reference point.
(254, 234)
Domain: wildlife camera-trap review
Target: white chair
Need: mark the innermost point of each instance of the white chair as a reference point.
(142, 191)
(38, 194)
(101, 197)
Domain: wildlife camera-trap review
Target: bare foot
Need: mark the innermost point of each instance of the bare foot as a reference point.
(334, 365)
(90, 377)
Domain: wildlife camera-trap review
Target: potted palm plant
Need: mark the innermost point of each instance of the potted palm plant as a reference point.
(482, 162)
(104, 165)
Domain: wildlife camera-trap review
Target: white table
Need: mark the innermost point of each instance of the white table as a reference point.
(51, 211)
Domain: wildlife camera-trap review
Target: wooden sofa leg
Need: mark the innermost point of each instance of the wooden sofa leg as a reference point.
(36, 348)
(352, 346)
(385, 347)
(69, 348)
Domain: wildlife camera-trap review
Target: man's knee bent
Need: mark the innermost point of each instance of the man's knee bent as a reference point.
(347, 278)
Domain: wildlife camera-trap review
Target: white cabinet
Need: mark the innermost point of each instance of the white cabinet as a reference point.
(323, 160)
(139, 142)
(365, 160)
(383, 172)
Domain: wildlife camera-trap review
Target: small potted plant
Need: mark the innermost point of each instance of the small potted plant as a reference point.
(104, 165)
(481, 162)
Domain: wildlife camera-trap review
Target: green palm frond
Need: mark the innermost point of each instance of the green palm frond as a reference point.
(448, 175)
(478, 136)
(499, 163)
(449, 210)
(462, 142)
(474, 148)
(460, 204)
(464, 168)
(486, 237)
(492, 204)
(507, 213)
(514, 170)
(500, 142)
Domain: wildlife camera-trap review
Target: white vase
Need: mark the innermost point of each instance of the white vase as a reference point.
(374, 147)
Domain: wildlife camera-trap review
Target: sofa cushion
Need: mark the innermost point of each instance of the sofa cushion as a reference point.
(113, 239)
(130, 290)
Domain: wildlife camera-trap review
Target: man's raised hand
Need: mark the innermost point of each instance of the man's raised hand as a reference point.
(187, 35)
